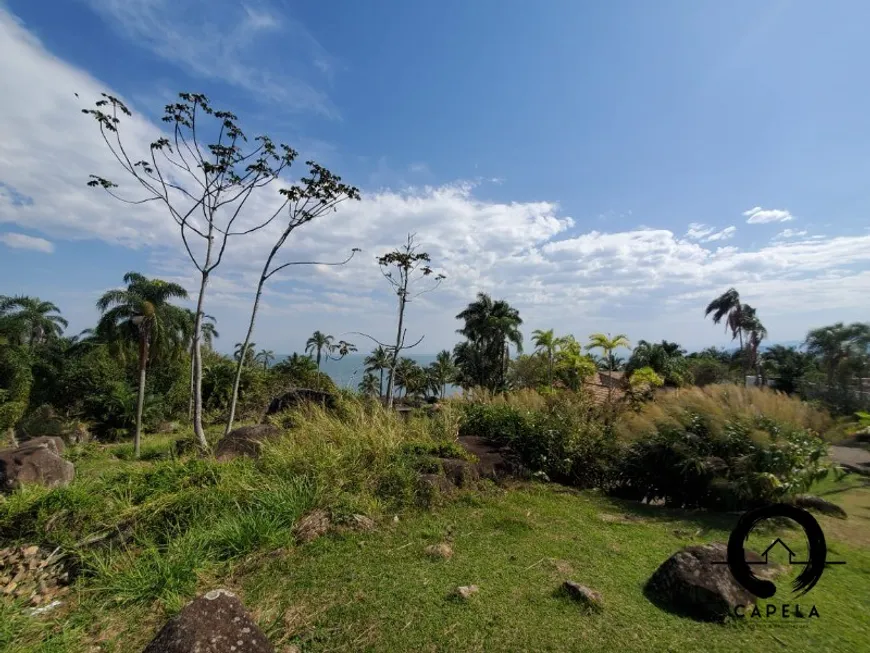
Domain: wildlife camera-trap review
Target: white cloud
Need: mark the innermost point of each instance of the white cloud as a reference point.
(758, 215)
(23, 241)
(231, 42)
(698, 231)
(725, 234)
(791, 233)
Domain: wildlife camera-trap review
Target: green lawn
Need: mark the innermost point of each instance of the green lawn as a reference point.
(378, 591)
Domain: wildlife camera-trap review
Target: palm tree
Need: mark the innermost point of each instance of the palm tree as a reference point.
(834, 345)
(142, 311)
(751, 325)
(490, 328)
(378, 361)
(369, 386)
(249, 352)
(265, 356)
(546, 344)
(33, 322)
(667, 359)
(410, 377)
(607, 344)
(727, 306)
(318, 343)
(442, 371)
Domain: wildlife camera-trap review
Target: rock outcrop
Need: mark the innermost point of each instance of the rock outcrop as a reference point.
(691, 583)
(34, 463)
(214, 623)
(245, 441)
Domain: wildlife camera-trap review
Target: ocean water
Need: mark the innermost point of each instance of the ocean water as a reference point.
(349, 371)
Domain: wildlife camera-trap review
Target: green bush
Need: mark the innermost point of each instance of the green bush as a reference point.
(722, 448)
(565, 439)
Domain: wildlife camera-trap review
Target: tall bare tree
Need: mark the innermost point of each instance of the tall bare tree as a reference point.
(316, 195)
(203, 172)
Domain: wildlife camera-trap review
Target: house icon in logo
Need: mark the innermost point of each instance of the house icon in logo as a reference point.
(791, 554)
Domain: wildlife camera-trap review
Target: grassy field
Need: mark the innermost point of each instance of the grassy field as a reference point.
(378, 591)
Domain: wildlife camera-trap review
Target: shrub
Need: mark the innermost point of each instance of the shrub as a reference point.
(722, 447)
(565, 438)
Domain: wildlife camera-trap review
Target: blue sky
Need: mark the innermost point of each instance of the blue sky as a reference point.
(602, 166)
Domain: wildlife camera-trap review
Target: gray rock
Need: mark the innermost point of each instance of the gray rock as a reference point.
(214, 623)
(460, 472)
(690, 583)
(34, 464)
(811, 502)
(589, 598)
(53, 443)
(245, 441)
(437, 483)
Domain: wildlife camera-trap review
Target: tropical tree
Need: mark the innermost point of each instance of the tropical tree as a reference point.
(318, 343)
(248, 352)
(667, 359)
(787, 365)
(490, 328)
(369, 385)
(837, 344)
(378, 361)
(755, 333)
(29, 320)
(142, 312)
(265, 356)
(546, 344)
(607, 344)
(727, 307)
(442, 371)
(572, 365)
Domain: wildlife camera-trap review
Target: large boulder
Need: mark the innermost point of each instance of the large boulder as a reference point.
(53, 443)
(34, 464)
(245, 441)
(691, 583)
(214, 623)
(299, 396)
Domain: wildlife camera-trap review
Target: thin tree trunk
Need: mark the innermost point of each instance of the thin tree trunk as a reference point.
(192, 376)
(242, 357)
(199, 432)
(140, 401)
(391, 379)
(381, 385)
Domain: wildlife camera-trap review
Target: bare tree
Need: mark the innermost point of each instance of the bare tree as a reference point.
(314, 196)
(404, 268)
(203, 177)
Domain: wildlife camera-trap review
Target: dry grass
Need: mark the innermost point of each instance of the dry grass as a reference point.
(720, 404)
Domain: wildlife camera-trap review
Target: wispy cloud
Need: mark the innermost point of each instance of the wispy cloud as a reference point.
(707, 234)
(758, 215)
(725, 234)
(791, 233)
(23, 241)
(256, 47)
